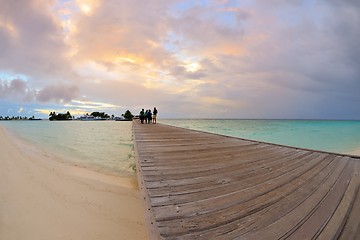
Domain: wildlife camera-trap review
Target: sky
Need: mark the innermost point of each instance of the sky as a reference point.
(283, 59)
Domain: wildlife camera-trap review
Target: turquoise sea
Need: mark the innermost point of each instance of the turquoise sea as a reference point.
(107, 146)
(330, 136)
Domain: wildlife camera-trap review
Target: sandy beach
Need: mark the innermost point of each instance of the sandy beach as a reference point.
(356, 152)
(42, 198)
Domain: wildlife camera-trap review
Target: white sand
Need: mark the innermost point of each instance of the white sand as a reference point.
(42, 199)
(356, 152)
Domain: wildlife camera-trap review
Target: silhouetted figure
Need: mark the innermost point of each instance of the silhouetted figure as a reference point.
(142, 116)
(149, 116)
(154, 115)
(146, 116)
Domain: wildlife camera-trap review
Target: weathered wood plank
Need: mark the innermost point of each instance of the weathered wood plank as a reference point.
(203, 183)
(286, 225)
(271, 178)
(205, 186)
(234, 207)
(291, 195)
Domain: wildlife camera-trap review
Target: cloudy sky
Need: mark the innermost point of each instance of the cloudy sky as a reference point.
(190, 59)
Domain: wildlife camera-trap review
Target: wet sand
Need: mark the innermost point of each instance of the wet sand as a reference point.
(43, 198)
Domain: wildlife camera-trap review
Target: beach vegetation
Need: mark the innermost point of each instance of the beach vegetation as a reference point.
(60, 117)
(131, 155)
(132, 166)
(17, 118)
(101, 115)
(128, 115)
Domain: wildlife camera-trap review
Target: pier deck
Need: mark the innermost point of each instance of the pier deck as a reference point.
(199, 185)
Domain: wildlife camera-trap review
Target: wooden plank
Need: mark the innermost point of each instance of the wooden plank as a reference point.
(203, 158)
(323, 212)
(219, 167)
(269, 180)
(204, 183)
(242, 165)
(286, 225)
(206, 186)
(290, 198)
(351, 228)
(173, 157)
(335, 226)
(291, 195)
(233, 207)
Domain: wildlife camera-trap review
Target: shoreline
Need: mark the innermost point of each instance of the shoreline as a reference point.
(356, 152)
(74, 152)
(44, 198)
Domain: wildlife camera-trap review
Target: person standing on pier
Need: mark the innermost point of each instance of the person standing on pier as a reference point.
(149, 116)
(142, 116)
(154, 115)
(146, 116)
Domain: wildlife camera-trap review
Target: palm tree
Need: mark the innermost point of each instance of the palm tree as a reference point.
(128, 115)
(68, 115)
(52, 116)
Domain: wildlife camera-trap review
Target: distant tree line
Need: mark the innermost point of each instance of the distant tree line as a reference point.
(53, 116)
(100, 115)
(60, 117)
(7, 118)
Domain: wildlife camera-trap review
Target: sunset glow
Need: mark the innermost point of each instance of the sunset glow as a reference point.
(251, 59)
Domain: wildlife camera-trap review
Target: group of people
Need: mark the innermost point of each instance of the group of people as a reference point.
(148, 116)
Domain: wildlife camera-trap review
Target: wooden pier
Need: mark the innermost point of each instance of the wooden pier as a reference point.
(199, 185)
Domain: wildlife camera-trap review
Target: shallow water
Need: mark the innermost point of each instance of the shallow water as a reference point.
(105, 146)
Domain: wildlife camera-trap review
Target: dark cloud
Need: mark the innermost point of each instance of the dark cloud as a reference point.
(58, 93)
(19, 89)
(14, 89)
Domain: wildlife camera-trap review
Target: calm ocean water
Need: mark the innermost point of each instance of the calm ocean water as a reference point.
(107, 146)
(332, 136)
